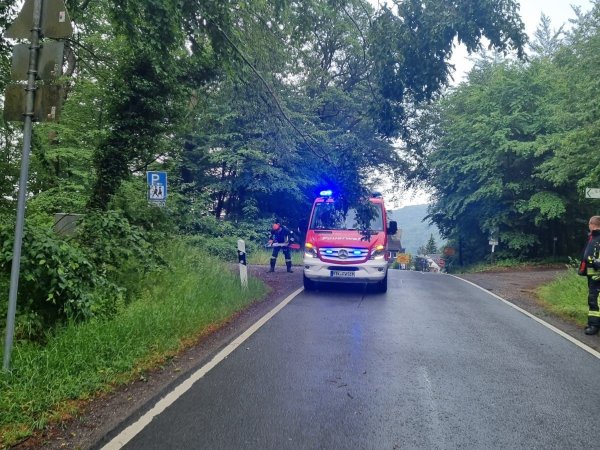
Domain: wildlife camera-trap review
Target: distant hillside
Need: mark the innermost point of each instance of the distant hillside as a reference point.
(415, 232)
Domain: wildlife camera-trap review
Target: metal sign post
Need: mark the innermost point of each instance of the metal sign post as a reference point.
(38, 18)
(16, 261)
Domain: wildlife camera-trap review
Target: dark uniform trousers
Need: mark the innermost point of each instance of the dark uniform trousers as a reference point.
(589, 267)
(593, 293)
(286, 254)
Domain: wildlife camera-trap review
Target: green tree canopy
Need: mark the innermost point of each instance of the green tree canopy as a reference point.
(511, 149)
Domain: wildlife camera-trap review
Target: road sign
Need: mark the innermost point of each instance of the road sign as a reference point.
(50, 61)
(36, 19)
(592, 193)
(55, 21)
(157, 187)
(47, 103)
(402, 258)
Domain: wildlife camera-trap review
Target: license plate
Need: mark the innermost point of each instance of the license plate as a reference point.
(342, 273)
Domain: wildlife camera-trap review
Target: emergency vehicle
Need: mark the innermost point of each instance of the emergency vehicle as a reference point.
(336, 250)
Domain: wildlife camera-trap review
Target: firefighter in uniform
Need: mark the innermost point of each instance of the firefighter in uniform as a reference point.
(280, 239)
(590, 267)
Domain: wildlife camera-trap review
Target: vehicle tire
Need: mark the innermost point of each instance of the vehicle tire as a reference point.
(309, 285)
(382, 285)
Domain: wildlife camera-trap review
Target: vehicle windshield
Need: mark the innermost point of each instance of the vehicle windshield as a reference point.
(327, 217)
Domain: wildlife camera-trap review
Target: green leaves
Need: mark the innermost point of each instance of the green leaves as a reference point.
(58, 281)
(546, 205)
(513, 148)
(411, 49)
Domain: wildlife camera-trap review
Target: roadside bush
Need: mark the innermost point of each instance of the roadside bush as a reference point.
(219, 237)
(57, 282)
(222, 248)
(64, 198)
(121, 252)
(132, 203)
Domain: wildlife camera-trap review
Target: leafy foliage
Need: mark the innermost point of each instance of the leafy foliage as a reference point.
(58, 282)
(506, 151)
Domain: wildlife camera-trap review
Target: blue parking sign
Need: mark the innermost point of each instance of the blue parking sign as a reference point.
(157, 187)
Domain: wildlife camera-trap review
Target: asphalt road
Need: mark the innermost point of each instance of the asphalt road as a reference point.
(435, 363)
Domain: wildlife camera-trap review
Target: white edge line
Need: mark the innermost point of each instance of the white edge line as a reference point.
(537, 319)
(132, 430)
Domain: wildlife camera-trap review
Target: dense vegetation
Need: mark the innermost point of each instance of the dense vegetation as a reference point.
(510, 152)
(250, 106)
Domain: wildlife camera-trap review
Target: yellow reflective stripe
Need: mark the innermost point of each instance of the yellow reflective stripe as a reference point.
(594, 314)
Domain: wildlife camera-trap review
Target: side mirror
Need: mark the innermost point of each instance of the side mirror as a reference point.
(393, 227)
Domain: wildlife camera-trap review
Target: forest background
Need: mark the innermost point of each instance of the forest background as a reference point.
(252, 107)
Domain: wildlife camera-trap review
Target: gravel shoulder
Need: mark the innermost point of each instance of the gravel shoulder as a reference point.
(98, 416)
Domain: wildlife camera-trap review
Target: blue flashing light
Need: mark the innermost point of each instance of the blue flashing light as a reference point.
(356, 252)
(327, 193)
(329, 252)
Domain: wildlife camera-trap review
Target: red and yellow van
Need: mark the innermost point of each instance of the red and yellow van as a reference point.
(337, 251)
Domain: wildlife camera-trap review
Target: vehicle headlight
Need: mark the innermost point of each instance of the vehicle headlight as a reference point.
(378, 252)
(310, 251)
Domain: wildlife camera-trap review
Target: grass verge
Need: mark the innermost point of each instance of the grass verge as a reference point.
(176, 304)
(509, 264)
(262, 257)
(566, 297)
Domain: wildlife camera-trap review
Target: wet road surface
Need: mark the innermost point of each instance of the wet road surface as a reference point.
(433, 363)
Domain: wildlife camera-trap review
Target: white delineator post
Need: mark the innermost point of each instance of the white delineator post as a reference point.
(242, 263)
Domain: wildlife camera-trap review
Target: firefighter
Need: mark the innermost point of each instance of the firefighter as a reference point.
(280, 239)
(590, 267)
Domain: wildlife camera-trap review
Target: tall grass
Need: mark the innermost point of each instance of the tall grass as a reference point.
(175, 304)
(506, 264)
(566, 297)
(263, 257)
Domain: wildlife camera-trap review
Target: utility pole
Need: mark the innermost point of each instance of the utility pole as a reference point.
(36, 19)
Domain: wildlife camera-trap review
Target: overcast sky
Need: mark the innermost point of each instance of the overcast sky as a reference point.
(559, 12)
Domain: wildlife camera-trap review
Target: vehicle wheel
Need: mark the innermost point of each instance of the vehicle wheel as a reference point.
(309, 285)
(382, 285)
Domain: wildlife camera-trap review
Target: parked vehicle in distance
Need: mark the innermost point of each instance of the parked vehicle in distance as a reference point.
(337, 250)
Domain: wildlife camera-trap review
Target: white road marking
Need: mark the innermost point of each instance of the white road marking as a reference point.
(131, 431)
(537, 319)
(435, 431)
